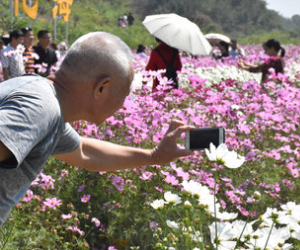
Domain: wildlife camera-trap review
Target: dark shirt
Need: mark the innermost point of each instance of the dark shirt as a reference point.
(45, 56)
(156, 62)
(276, 63)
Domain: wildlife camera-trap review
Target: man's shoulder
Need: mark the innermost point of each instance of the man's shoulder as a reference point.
(8, 48)
(28, 85)
(38, 49)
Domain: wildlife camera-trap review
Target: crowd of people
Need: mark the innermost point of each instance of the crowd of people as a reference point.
(162, 58)
(19, 56)
(126, 20)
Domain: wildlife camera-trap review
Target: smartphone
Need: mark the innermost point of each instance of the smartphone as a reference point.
(200, 138)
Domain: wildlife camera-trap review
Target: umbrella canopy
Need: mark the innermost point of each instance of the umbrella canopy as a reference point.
(178, 32)
(214, 38)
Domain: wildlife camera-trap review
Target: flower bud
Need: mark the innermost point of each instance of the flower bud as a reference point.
(188, 205)
(257, 195)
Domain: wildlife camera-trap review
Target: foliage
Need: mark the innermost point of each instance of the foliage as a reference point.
(247, 21)
(237, 18)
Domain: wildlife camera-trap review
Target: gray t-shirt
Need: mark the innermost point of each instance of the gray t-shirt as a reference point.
(32, 128)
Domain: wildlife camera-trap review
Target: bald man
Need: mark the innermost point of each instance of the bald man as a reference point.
(35, 112)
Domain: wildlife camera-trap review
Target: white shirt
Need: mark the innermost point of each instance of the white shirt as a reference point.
(12, 59)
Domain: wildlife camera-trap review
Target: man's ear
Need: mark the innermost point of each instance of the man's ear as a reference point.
(101, 86)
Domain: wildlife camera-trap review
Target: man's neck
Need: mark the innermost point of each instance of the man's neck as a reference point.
(44, 47)
(14, 45)
(28, 46)
(67, 101)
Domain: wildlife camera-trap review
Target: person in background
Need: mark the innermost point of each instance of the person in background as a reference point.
(62, 48)
(46, 54)
(12, 56)
(91, 84)
(141, 51)
(121, 22)
(224, 50)
(55, 48)
(156, 62)
(2, 45)
(28, 53)
(235, 51)
(275, 52)
(130, 19)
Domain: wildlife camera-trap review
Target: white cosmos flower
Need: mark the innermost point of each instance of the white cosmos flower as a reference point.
(172, 224)
(222, 155)
(277, 237)
(224, 216)
(172, 198)
(194, 188)
(239, 226)
(225, 235)
(272, 214)
(235, 107)
(158, 204)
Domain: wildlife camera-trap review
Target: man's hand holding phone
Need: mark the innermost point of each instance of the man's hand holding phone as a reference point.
(168, 149)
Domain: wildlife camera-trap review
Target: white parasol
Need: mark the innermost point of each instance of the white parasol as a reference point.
(178, 32)
(214, 38)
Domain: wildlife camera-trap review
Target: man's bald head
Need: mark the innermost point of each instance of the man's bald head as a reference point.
(97, 55)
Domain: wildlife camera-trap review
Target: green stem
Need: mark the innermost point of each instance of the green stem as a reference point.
(187, 240)
(238, 241)
(201, 230)
(215, 211)
(269, 236)
(9, 234)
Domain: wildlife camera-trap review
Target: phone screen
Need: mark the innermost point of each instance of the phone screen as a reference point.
(201, 138)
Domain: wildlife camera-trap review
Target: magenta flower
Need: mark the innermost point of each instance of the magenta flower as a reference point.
(80, 189)
(66, 216)
(29, 195)
(52, 203)
(85, 198)
(75, 229)
(118, 182)
(96, 221)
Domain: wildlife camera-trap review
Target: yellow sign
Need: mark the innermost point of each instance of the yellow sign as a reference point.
(62, 8)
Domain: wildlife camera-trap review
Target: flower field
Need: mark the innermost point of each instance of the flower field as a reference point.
(195, 202)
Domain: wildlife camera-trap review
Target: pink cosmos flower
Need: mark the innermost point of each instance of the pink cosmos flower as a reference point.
(96, 221)
(85, 198)
(75, 229)
(146, 176)
(52, 203)
(66, 216)
(46, 181)
(118, 182)
(80, 189)
(29, 195)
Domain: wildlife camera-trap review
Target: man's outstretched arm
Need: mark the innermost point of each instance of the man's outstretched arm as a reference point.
(99, 155)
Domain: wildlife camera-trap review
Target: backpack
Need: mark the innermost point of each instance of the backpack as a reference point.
(171, 70)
